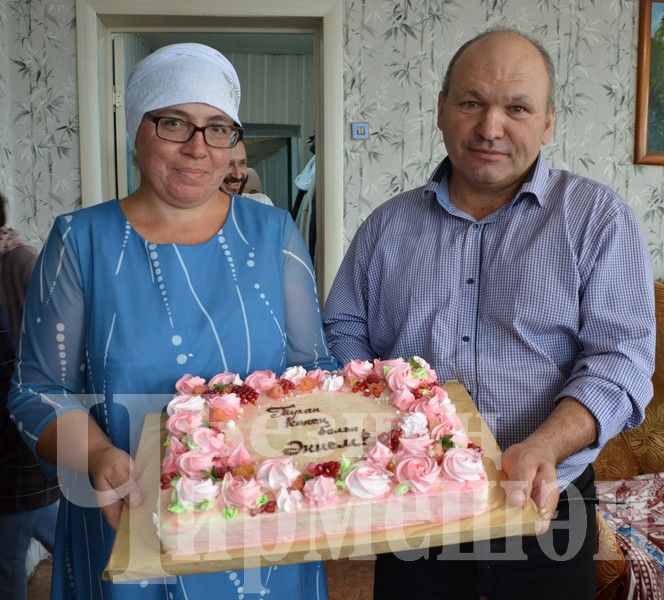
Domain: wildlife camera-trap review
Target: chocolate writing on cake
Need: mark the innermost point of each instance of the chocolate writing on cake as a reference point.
(297, 447)
(312, 417)
(298, 417)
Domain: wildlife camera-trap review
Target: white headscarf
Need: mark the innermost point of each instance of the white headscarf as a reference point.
(180, 74)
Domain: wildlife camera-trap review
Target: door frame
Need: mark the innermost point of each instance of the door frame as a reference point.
(97, 20)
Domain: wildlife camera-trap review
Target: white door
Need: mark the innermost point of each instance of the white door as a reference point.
(97, 20)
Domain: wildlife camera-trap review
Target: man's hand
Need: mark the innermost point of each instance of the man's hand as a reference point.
(112, 472)
(531, 465)
(531, 473)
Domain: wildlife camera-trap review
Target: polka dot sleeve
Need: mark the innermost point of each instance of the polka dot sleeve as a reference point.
(50, 364)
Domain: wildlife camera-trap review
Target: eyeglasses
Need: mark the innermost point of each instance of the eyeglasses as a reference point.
(217, 135)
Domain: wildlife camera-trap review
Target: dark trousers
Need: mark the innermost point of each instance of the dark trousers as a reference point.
(558, 565)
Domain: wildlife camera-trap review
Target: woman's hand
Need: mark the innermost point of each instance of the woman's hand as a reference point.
(112, 472)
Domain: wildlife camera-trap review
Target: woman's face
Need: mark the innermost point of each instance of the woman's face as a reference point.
(182, 174)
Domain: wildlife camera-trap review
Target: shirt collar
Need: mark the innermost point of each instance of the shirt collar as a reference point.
(534, 186)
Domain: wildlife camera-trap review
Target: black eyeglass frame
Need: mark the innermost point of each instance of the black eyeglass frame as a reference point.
(155, 119)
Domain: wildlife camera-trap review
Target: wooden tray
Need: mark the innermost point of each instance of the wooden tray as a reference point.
(137, 555)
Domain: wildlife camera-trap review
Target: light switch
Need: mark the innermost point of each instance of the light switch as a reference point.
(359, 130)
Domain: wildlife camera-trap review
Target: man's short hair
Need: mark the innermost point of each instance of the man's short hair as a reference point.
(550, 68)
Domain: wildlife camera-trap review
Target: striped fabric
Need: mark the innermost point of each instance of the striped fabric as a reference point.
(550, 296)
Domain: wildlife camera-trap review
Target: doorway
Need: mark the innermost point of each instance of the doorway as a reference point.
(98, 20)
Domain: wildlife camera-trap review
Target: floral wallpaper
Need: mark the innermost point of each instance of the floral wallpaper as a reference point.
(39, 157)
(395, 55)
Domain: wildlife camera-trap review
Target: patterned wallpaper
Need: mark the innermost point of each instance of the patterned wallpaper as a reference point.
(395, 54)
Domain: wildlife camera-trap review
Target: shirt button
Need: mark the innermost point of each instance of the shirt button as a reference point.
(465, 338)
(470, 281)
(476, 226)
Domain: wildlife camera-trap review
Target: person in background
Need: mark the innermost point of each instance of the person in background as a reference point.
(176, 278)
(253, 188)
(236, 177)
(531, 286)
(28, 499)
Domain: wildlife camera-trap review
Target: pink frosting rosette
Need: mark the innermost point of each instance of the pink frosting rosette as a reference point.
(414, 445)
(185, 403)
(439, 394)
(175, 446)
(436, 405)
(463, 464)
(320, 491)
(420, 472)
(379, 455)
(277, 473)
(261, 381)
(188, 384)
(239, 456)
(358, 369)
(180, 423)
(403, 399)
(191, 492)
(238, 492)
(367, 480)
(169, 466)
(225, 379)
(196, 464)
(228, 406)
(208, 440)
(397, 373)
(318, 374)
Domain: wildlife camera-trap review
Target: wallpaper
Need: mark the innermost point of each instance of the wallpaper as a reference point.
(395, 55)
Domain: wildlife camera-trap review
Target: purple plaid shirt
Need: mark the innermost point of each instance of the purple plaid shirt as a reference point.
(550, 296)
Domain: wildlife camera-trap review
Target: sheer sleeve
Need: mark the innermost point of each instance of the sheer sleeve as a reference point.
(304, 331)
(50, 358)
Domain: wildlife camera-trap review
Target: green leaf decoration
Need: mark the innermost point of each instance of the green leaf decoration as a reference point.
(420, 372)
(446, 441)
(189, 443)
(229, 512)
(386, 370)
(401, 489)
(340, 485)
(413, 363)
(174, 505)
(345, 465)
(261, 501)
(205, 505)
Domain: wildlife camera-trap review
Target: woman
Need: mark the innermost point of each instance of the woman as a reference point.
(130, 295)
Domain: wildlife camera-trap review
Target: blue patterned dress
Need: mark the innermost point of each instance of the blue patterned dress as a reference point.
(112, 321)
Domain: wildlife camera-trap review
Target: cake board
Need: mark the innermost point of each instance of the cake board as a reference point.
(137, 554)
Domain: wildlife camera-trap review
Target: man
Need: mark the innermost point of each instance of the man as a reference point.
(531, 286)
(236, 178)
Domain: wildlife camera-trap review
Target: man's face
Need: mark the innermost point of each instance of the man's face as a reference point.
(495, 117)
(237, 170)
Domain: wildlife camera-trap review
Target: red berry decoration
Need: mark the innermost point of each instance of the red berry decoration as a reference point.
(395, 434)
(476, 447)
(165, 482)
(247, 394)
(286, 385)
(219, 469)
